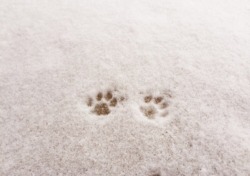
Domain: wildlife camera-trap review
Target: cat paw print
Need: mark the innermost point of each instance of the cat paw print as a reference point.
(104, 102)
(155, 106)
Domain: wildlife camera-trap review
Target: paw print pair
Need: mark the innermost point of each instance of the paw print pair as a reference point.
(104, 102)
(152, 106)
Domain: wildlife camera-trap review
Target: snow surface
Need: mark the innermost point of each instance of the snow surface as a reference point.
(54, 54)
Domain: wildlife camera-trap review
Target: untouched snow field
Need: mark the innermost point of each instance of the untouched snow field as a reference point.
(125, 87)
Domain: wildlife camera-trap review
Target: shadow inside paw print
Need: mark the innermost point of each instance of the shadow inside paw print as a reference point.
(157, 174)
(104, 102)
(156, 106)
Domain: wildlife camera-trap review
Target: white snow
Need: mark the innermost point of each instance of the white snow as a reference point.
(54, 54)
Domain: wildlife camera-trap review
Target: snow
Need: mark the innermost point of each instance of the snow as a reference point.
(55, 55)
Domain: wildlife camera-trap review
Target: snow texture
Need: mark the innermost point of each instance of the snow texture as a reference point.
(125, 87)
